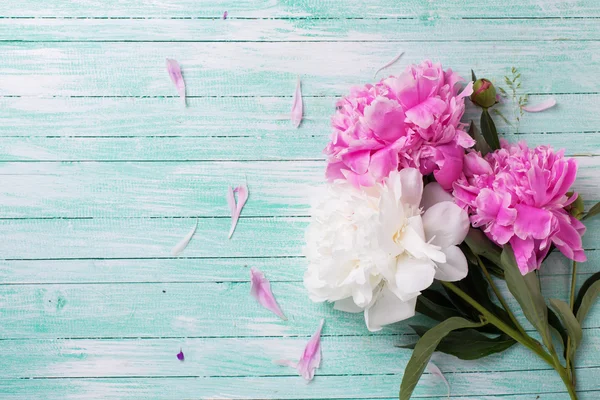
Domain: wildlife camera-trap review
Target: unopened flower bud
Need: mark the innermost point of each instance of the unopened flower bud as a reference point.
(484, 93)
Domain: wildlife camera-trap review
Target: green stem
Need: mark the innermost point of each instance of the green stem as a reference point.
(570, 366)
(500, 297)
(525, 340)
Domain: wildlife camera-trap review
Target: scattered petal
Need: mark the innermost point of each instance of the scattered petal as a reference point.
(297, 108)
(180, 355)
(433, 369)
(175, 75)
(179, 247)
(389, 64)
(260, 289)
(544, 105)
(225, 15)
(234, 208)
(311, 357)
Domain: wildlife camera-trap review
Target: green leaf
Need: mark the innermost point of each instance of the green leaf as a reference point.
(473, 77)
(555, 324)
(570, 322)
(436, 306)
(425, 348)
(480, 143)
(526, 289)
(482, 246)
(467, 344)
(595, 210)
(587, 296)
(488, 129)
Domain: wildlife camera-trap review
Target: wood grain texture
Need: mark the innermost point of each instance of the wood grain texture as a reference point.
(102, 172)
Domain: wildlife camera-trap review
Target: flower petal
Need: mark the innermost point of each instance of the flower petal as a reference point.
(434, 193)
(260, 289)
(311, 357)
(297, 107)
(386, 118)
(544, 105)
(445, 224)
(411, 182)
(180, 355)
(174, 71)
(347, 305)
(413, 274)
(532, 221)
(434, 370)
(424, 113)
(225, 14)
(455, 268)
(388, 64)
(179, 247)
(387, 309)
(242, 192)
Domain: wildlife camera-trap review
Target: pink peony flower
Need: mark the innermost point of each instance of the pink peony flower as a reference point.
(518, 195)
(412, 120)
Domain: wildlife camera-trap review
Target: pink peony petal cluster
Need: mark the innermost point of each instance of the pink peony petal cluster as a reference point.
(518, 195)
(412, 120)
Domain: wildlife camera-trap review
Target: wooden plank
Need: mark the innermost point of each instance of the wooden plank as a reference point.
(298, 8)
(223, 309)
(271, 69)
(195, 270)
(478, 384)
(244, 117)
(230, 357)
(177, 189)
(108, 238)
(296, 29)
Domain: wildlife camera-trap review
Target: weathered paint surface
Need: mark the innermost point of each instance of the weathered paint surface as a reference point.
(102, 172)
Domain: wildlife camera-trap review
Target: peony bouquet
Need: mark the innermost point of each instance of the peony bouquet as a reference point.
(424, 213)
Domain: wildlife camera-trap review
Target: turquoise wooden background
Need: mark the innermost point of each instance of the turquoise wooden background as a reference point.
(102, 172)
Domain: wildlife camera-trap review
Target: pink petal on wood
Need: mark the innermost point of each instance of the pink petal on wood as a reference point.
(297, 108)
(225, 15)
(311, 357)
(544, 105)
(234, 208)
(434, 370)
(175, 74)
(260, 289)
(179, 247)
(180, 355)
(389, 64)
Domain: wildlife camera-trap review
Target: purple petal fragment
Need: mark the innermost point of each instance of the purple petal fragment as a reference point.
(174, 71)
(225, 15)
(236, 208)
(297, 107)
(544, 105)
(260, 289)
(180, 355)
(434, 370)
(388, 64)
(179, 247)
(311, 357)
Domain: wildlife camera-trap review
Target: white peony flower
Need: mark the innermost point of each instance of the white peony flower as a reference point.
(374, 249)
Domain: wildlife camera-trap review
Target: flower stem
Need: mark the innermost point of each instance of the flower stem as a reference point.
(500, 297)
(525, 340)
(570, 366)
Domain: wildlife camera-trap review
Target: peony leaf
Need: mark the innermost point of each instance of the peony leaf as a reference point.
(468, 344)
(595, 210)
(297, 106)
(260, 289)
(179, 247)
(558, 327)
(544, 105)
(473, 77)
(425, 348)
(311, 357)
(436, 306)
(174, 71)
(482, 246)
(435, 370)
(526, 290)
(570, 322)
(480, 143)
(236, 208)
(388, 64)
(488, 129)
(586, 297)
